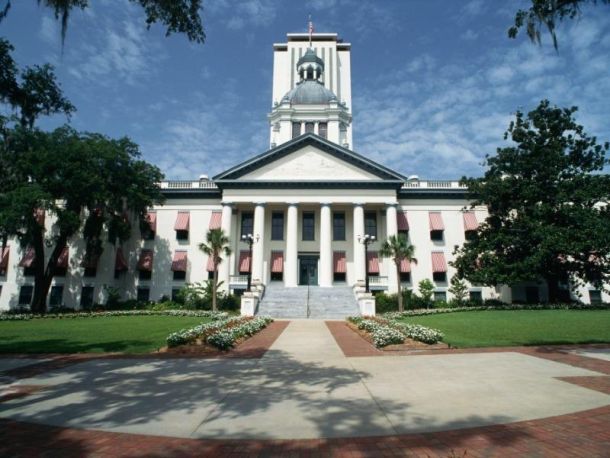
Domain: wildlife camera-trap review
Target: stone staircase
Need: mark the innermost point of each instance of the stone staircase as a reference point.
(324, 303)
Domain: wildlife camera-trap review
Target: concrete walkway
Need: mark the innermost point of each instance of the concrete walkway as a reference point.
(304, 387)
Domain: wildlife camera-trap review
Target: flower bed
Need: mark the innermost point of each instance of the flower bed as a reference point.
(190, 313)
(385, 332)
(222, 334)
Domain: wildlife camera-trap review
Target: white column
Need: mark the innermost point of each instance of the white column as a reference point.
(326, 255)
(290, 261)
(358, 247)
(391, 225)
(258, 249)
(225, 266)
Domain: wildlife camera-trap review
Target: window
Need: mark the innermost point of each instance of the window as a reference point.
(56, 295)
(439, 276)
(145, 274)
(90, 271)
(296, 129)
(405, 277)
(247, 223)
(29, 271)
(175, 294)
(148, 234)
(179, 275)
(211, 275)
(476, 296)
(309, 127)
(143, 294)
(440, 296)
(470, 235)
(595, 296)
(436, 236)
(277, 276)
(404, 233)
(277, 226)
(339, 226)
(339, 277)
(531, 295)
(182, 235)
(25, 294)
(323, 130)
(86, 297)
(308, 226)
(370, 223)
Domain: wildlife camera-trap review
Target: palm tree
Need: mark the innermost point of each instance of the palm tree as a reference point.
(216, 245)
(398, 248)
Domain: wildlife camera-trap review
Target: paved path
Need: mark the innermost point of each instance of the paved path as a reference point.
(304, 387)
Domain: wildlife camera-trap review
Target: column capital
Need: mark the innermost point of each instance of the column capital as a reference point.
(391, 204)
(292, 204)
(260, 204)
(227, 204)
(325, 204)
(358, 204)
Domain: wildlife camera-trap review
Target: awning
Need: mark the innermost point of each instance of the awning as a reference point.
(62, 260)
(29, 258)
(4, 252)
(436, 221)
(244, 261)
(179, 261)
(470, 221)
(215, 220)
(405, 266)
(210, 267)
(339, 264)
(373, 262)
(151, 219)
(403, 222)
(438, 262)
(119, 262)
(90, 261)
(182, 221)
(277, 261)
(146, 260)
(39, 216)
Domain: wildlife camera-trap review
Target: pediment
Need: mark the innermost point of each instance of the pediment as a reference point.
(309, 158)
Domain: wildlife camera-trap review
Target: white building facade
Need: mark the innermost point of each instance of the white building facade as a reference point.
(308, 201)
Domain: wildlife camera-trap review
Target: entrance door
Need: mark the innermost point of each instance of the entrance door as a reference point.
(308, 270)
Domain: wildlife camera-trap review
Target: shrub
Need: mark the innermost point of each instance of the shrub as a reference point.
(426, 291)
(386, 302)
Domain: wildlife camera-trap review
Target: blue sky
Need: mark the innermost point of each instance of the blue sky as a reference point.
(434, 82)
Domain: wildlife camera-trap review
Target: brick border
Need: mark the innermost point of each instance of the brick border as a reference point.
(581, 434)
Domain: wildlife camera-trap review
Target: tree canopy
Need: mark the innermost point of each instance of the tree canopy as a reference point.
(179, 16)
(547, 198)
(546, 13)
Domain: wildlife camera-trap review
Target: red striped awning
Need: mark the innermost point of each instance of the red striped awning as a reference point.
(146, 260)
(277, 261)
(210, 266)
(182, 221)
(90, 260)
(29, 258)
(436, 221)
(373, 262)
(339, 264)
(62, 261)
(120, 263)
(179, 261)
(244, 261)
(405, 266)
(470, 221)
(438, 262)
(39, 214)
(151, 219)
(4, 252)
(215, 220)
(403, 222)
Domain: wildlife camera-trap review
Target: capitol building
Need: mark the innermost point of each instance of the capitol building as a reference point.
(308, 202)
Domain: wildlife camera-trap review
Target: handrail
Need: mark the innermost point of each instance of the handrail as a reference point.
(308, 280)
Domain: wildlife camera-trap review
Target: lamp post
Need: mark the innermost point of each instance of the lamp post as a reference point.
(250, 240)
(366, 240)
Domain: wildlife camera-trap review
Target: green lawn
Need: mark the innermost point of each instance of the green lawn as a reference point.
(128, 334)
(519, 327)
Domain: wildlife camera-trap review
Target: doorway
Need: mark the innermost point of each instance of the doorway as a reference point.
(308, 269)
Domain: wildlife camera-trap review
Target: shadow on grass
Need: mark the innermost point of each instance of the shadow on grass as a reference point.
(21, 345)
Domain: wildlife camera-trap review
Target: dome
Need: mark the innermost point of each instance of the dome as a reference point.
(309, 92)
(310, 57)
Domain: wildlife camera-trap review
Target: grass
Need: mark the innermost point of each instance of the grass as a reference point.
(129, 334)
(519, 327)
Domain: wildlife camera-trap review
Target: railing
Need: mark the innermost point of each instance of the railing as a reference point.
(378, 283)
(238, 280)
(308, 281)
(188, 184)
(434, 184)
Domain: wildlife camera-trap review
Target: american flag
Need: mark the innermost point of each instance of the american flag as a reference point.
(310, 29)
